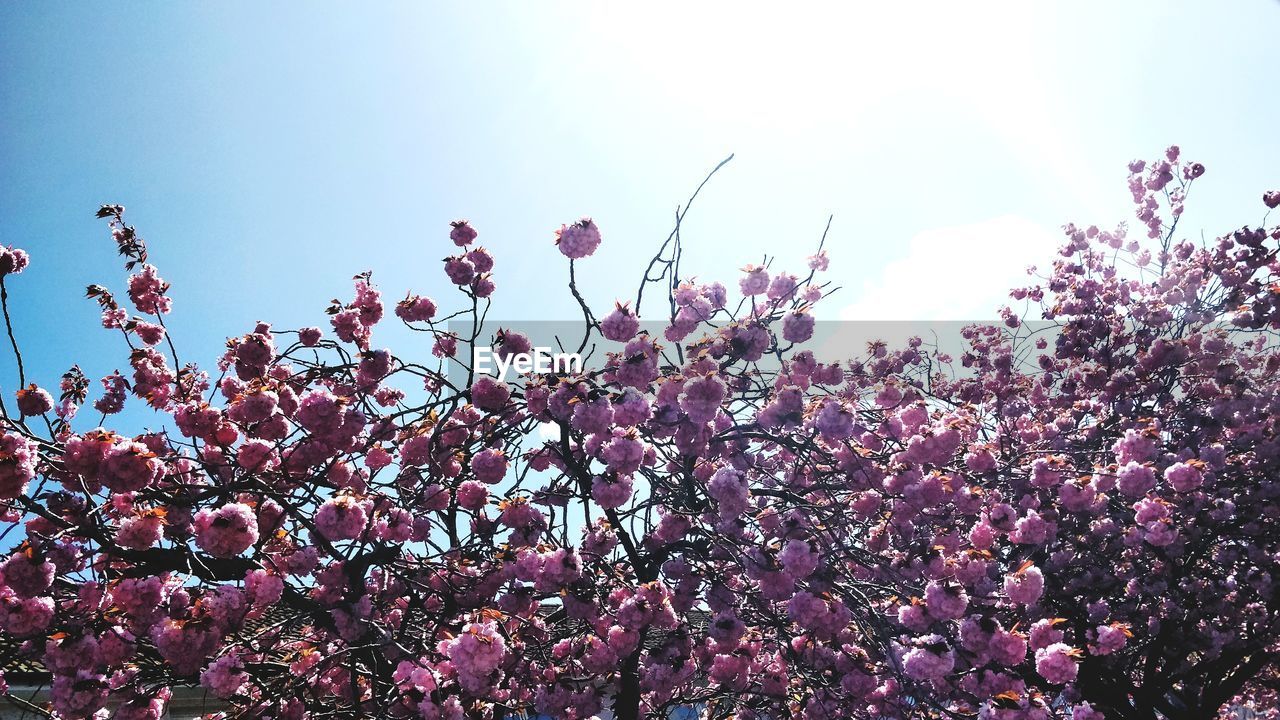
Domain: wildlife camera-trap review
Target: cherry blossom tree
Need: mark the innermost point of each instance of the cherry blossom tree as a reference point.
(1073, 515)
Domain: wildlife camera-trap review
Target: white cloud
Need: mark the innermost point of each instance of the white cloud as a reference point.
(963, 272)
(548, 431)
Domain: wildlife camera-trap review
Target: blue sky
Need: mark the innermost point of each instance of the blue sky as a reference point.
(269, 152)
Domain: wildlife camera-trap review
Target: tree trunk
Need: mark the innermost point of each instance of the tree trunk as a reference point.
(626, 702)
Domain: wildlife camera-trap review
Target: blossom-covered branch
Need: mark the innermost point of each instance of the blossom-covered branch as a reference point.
(1075, 515)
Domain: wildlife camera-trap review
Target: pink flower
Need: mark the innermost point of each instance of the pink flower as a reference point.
(374, 366)
(66, 409)
(914, 617)
(512, 343)
(21, 617)
(518, 514)
(309, 336)
(341, 518)
(797, 327)
(257, 455)
(756, 280)
(264, 588)
(321, 413)
(638, 364)
(472, 495)
(1160, 533)
(480, 259)
(931, 659)
(411, 673)
(459, 269)
(945, 601)
(1031, 529)
(13, 260)
(1045, 632)
(980, 460)
(631, 408)
(1025, 586)
(462, 234)
(489, 466)
(823, 618)
(786, 411)
(112, 400)
(253, 406)
(1085, 711)
(435, 497)
(355, 322)
(489, 393)
(130, 466)
(1110, 638)
(701, 398)
(729, 489)
(226, 531)
(114, 318)
(592, 416)
(1184, 477)
(147, 291)
(1077, 496)
(1134, 447)
(198, 420)
(1149, 510)
(224, 676)
(140, 531)
(1135, 480)
(416, 308)
(798, 558)
(1057, 663)
(783, 286)
(186, 646)
(149, 333)
(483, 286)
(730, 670)
(475, 653)
(17, 465)
(346, 326)
(623, 454)
(80, 693)
(834, 421)
(34, 400)
(620, 325)
(611, 492)
(1007, 648)
(416, 450)
(152, 378)
(27, 574)
(578, 240)
(394, 525)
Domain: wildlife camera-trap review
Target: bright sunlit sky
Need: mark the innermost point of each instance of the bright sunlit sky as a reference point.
(269, 153)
